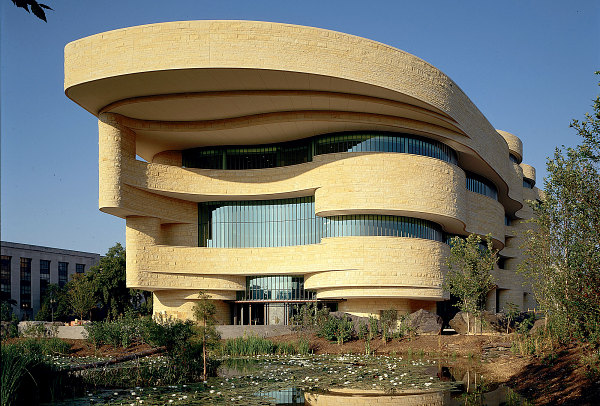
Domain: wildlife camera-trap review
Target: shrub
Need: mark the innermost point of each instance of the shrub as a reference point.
(389, 320)
(373, 326)
(337, 329)
(310, 317)
(365, 334)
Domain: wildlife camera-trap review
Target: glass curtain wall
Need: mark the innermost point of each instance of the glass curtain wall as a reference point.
(297, 152)
(282, 288)
(287, 222)
(481, 185)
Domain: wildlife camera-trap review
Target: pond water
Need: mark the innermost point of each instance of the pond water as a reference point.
(322, 380)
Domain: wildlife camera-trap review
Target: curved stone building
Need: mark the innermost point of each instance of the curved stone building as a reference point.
(272, 164)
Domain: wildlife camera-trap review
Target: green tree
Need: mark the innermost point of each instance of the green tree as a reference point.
(562, 249)
(55, 304)
(469, 278)
(81, 294)
(109, 283)
(389, 321)
(6, 305)
(204, 313)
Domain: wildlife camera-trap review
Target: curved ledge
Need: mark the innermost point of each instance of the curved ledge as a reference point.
(515, 145)
(221, 56)
(412, 260)
(528, 172)
(435, 294)
(343, 183)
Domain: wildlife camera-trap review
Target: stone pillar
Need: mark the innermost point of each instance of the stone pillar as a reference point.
(141, 234)
(116, 145)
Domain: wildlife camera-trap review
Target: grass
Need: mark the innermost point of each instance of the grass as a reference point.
(253, 345)
(14, 368)
(28, 376)
(44, 346)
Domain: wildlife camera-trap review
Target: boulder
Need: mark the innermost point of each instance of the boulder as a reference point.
(492, 323)
(538, 327)
(424, 322)
(356, 320)
(38, 328)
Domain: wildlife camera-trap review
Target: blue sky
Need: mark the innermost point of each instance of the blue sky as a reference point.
(528, 66)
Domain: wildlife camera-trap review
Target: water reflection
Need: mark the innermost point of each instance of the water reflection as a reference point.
(289, 396)
(501, 396)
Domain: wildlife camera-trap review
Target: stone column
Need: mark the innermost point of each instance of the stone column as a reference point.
(116, 145)
(142, 233)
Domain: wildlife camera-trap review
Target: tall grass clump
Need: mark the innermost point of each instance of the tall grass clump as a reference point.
(298, 347)
(247, 345)
(14, 368)
(44, 346)
(28, 378)
(253, 345)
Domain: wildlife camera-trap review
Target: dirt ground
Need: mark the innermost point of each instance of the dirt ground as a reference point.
(82, 348)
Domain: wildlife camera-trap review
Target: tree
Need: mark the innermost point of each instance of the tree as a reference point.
(109, 282)
(6, 305)
(36, 8)
(389, 321)
(81, 294)
(204, 313)
(55, 304)
(469, 278)
(562, 249)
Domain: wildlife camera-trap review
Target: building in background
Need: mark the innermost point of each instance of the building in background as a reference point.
(27, 270)
(283, 164)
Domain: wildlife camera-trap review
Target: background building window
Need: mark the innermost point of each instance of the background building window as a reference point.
(5, 274)
(80, 268)
(63, 273)
(44, 277)
(25, 283)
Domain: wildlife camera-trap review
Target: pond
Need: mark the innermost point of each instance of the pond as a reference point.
(322, 380)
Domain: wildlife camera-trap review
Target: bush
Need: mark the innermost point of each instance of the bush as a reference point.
(337, 329)
(310, 317)
(389, 321)
(124, 332)
(10, 329)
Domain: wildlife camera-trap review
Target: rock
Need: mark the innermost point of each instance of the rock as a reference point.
(492, 323)
(538, 327)
(356, 320)
(424, 322)
(38, 328)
